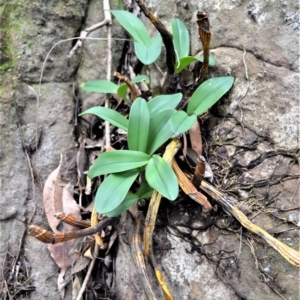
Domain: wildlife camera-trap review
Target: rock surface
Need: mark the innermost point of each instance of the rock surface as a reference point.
(262, 110)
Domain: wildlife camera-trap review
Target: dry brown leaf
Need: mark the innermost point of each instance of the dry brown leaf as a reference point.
(195, 137)
(52, 195)
(88, 253)
(112, 239)
(63, 258)
(77, 283)
(63, 253)
(80, 264)
(58, 199)
(70, 206)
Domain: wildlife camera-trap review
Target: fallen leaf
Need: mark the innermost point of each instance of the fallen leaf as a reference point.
(57, 199)
(88, 253)
(77, 282)
(195, 137)
(52, 195)
(63, 258)
(80, 264)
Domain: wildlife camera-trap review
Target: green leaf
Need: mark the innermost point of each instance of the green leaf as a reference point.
(182, 122)
(108, 115)
(211, 59)
(181, 38)
(160, 129)
(140, 78)
(162, 102)
(208, 93)
(144, 191)
(183, 62)
(100, 86)
(113, 190)
(128, 201)
(138, 127)
(122, 90)
(148, 54)
(117, 161)
(161, 177)
(133, 25)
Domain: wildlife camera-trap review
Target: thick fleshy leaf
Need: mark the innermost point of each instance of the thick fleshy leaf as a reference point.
(208, 93)
(140, 78)
(161, 177)
(117, 161)
(128, 201)
(109, 115)
(211, 59)
(138, 127)
(182, 122)
(181, 38)
(100, 86)
(185, 61)
(148, 54)
(160, 129)
(113, 190)
(133, 25)
(144, 191)
(122, 90)
(162, 102)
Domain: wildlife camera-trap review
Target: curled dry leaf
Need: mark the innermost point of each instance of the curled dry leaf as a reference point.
(64, 253)
(52, 195)
(57, 199)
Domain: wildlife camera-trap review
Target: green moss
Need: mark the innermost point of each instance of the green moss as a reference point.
(11, 29)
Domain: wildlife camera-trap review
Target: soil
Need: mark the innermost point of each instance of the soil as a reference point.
(251, 141)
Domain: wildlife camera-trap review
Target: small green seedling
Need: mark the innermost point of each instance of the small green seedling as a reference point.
(181, 42)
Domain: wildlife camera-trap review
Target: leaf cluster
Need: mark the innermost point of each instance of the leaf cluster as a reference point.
(150, 123)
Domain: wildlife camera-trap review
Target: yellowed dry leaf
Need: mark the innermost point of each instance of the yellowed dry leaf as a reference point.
(88, 253)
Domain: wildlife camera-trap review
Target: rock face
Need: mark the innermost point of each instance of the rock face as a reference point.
(256, 42)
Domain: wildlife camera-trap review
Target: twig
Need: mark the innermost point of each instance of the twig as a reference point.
(84, 33)
(89, 272)
(141, 261)
(131, 87)
(240, 247)
(290, 254)
(48, 237)
(30, 169)
(151, 216)
(248, 84)
(107, 15)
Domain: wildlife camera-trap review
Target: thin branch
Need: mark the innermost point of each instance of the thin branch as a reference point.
(84, 33)
(89, 272)
(48, 237)
(107, 15)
